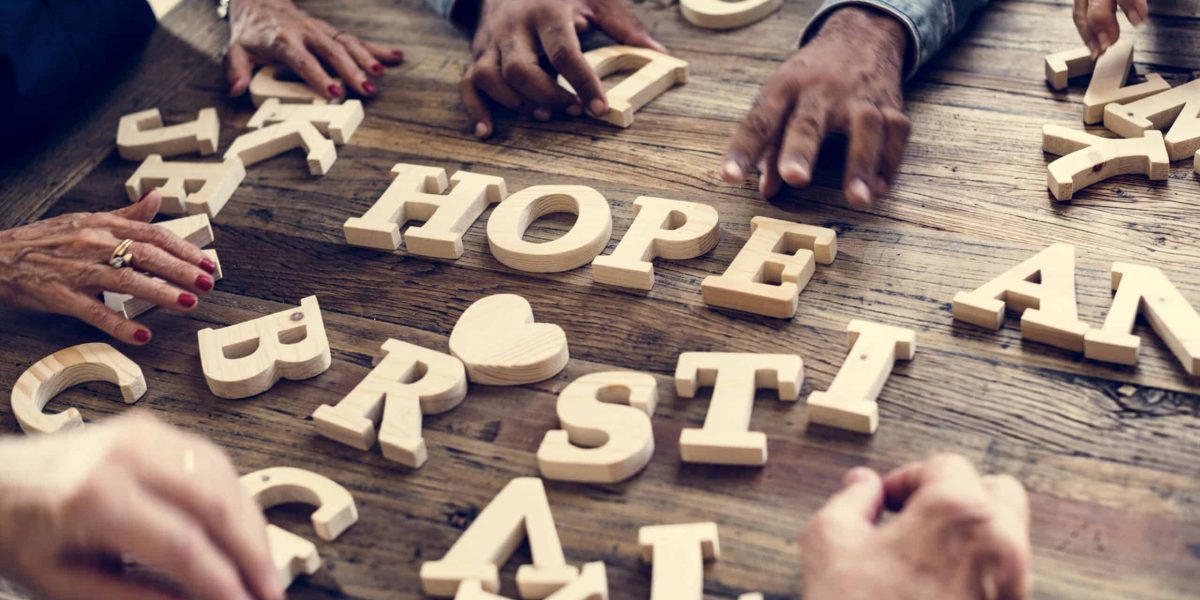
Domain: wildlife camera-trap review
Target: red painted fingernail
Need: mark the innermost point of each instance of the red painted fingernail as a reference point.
(187, 300)
(397, 53)
(377, 68)
(145, 193)
(204, 283)
(141, 335)
(208, 265)
(369, 87)
(335, 90)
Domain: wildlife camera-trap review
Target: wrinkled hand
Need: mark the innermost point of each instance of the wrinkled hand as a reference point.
(513, 36)
(1096, 20)
(846, 79)
(958, 536)
(275, 31)
(74, 506)
(60, 265)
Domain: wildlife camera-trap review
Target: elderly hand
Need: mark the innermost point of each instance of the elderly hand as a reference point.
(1096, 20)
(275, 31)
(513, 36)
(75, 506)
(60, 265)
(957, 536)
(846, 79)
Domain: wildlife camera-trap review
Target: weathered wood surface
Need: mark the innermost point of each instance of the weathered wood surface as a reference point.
(1112, 469)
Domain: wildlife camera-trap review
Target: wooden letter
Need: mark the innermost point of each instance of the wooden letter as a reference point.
(601, 441)
(1062, 66)
(418, 193)
(498, 341)
(1179, 105)
(767, 276)
(68, 367)
(142, 133)
(187, 188)
(261, 144)
(197, 230)
(1108, 82)
(1148, 291)
(677, 553)
(267, 84)
(670, 229)
(849, 403)
(1105, 158)
(586, 239)
(335, 513)
(338, 121)
(246, 359)
(519, 510)
(407, 382)
(720, 14)
(655, 74)
(1042, 289)
(726, 437)
(592, 584)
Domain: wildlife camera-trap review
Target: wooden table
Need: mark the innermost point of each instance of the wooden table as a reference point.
(1109, 454)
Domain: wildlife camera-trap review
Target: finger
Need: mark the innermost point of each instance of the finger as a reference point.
(1135, 10)
(861, 498)
(93, 312)
(769, 182)
(897, 127)
(619, 22)
(144, 209)
(760, 125)
(157, 236)
(296, 56)
(165, 265)
(487, 78)
(1010, 529)
(138, 285)
(96, 584)
(343, 64)
(903, 483)
(1102, 20)
(358, 51)
(561, 44)
(1079, 15)
(220, 505)
(238, 69)
(520, 69)
(802, 142)
(387, 56)
(862, 155)
(476, 105)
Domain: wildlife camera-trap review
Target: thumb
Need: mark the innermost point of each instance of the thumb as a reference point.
(861, 496)
(144, 209)
(615, 19)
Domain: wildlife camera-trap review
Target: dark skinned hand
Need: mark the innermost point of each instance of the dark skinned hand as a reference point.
(1096, 20)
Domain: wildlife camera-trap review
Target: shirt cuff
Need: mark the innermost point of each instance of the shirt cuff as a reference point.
(929, 25)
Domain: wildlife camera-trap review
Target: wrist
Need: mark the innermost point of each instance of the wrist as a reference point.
(883, 35)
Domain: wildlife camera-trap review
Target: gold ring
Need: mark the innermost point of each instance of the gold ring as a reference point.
(122, 257)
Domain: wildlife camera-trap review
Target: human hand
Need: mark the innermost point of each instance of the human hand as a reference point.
(846, 79)
(60, 265)
(275, 31)
(957, 536)
(513, 34)
(1096, 21)
(73, 505)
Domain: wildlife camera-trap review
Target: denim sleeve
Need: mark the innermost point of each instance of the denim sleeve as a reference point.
(930, 23)
(441, 7)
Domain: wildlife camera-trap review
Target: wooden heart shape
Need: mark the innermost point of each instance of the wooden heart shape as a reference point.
(498, 341)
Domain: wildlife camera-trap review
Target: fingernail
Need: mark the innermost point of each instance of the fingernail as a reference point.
(208, 265)
(481, 129)
(541, 114)
(187, 300)
(141, 335)
(398, 53)
(597, 107)
(854, 476)
(794, 171)
(859, 191)
(1137, 19)
(575, 110)
(1105, 42)
(369, 87)
(204, 283)
(732, 172)
(145, 193)
(377, 68)
(762, 185)
(233, 87)
(335, 90)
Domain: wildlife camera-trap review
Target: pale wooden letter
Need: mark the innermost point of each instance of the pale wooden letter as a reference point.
(1146, 290)
(670, 229)
(849, 403)
(678, 553)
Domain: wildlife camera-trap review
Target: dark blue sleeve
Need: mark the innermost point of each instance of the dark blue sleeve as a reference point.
(51, 51)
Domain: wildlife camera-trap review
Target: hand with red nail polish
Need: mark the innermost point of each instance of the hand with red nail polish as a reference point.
(275, 31)
(60, 265)
(845, 79)
(1096, 20)
(956, 535)
(510, 37)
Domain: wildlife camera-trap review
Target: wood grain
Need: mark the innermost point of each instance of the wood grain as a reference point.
(1108, 452)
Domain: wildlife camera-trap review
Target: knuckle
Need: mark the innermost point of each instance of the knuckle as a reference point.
(127, 278)
(96, 314)
(181, 545)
